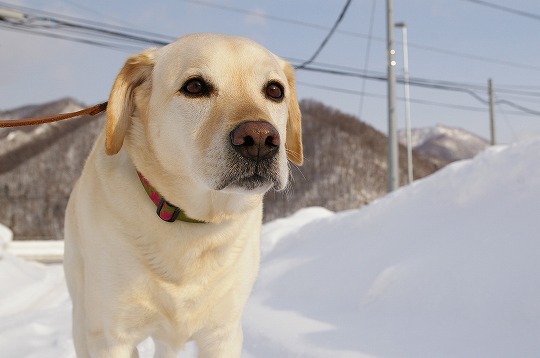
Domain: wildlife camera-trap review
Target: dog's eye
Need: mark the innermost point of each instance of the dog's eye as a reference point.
(274, 90)
(195, 87)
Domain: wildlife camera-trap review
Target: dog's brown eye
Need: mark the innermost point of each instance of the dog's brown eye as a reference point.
(195, 87)
(274, 90)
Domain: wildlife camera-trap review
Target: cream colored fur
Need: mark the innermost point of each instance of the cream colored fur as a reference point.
(132, 275)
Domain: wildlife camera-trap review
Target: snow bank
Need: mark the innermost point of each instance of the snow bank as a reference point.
(446, 267)
(34, 310)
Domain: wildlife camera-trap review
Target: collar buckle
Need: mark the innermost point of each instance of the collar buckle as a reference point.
(165, 210)
(166, 215)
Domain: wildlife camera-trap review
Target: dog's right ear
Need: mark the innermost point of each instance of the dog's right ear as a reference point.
(136, 71)
(293, 143)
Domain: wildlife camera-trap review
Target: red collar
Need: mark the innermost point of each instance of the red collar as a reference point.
(165, 210)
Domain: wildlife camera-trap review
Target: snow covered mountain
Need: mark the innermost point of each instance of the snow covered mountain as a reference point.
(446, 267)
(447, 144)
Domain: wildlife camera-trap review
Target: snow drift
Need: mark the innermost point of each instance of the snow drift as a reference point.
(446, 267)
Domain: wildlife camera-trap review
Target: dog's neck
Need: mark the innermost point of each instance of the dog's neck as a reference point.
(196, 201)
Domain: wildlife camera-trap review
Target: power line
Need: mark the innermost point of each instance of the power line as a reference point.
(305, 24)
(368, 52)
(520, 66)
(430, 84)
(477, 87)
(80, 30)
(115, 37)
(265, 16)
(382, 96)
(100, 14)
(323, 44)
(521, 108)
(75, 39)
(442, 85)
(520, 97)
(506, 9)
(376, 75)
(505, 117)
(413, 100)
(100, 34)
(166, 39)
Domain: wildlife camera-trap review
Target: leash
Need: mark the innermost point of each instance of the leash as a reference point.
(165, 210)
(90, 111)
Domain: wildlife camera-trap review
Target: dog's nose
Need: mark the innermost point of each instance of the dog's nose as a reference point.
(255, 140)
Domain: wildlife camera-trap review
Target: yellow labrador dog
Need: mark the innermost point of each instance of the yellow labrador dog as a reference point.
(162, 229)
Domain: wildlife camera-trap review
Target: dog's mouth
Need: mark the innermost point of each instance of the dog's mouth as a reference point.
(250, 183)
(251, 176)
(253, 182)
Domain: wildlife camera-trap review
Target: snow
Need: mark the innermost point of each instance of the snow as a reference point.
(420, 136)
(48, 251)
(445, 267)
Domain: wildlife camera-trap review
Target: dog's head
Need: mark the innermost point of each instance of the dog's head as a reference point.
(219, 108)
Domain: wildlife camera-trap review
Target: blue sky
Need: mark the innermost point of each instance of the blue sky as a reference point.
(450, 40)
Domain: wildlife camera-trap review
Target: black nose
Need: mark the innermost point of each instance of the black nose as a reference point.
(255, 140)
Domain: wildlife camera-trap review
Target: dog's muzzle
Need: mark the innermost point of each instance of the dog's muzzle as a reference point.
(253, 163)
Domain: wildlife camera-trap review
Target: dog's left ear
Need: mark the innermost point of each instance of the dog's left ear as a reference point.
(293, 144)
(136, 71)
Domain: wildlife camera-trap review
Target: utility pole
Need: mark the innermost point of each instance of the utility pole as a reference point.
(393, 159)
(403, 27)
(491, 112)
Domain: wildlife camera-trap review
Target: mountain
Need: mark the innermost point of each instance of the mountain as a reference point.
(445, 144)
(344, 167)
(38, 167)
(20, 144)
(345, 164)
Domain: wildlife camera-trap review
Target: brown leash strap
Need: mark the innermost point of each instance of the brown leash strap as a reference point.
(91, 111)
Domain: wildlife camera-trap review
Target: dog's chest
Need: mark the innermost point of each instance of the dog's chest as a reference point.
(188, 287)
(178, 312)
(182, 310)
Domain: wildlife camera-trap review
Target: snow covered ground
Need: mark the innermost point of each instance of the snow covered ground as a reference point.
(446, 267)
